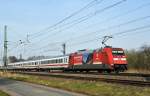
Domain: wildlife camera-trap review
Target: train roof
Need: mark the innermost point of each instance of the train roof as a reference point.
(55, 57)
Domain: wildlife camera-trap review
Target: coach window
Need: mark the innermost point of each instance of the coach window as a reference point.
(64, 60)
(48, 61)
(45, 62)
(56, 61)
(60, 60)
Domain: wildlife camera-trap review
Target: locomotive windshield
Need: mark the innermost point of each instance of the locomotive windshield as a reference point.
(118, 52)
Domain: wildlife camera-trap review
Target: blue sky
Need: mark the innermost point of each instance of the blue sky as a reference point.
(31, 16)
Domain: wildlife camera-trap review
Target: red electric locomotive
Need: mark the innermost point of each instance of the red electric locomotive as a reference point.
(104, 59)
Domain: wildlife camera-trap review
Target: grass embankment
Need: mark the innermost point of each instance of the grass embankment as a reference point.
(3, 94)
(92, 88)
(142, 71)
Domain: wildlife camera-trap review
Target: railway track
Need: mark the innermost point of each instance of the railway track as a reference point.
(114, 74)
(122, 78)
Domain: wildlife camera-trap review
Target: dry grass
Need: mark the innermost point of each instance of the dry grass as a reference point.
(3, 94)
(92, 88)
(138, 71)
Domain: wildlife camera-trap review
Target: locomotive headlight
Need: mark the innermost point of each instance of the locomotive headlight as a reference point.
(123, 58)
(112, 64)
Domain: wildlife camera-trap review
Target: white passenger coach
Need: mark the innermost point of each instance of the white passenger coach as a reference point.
(51, 63)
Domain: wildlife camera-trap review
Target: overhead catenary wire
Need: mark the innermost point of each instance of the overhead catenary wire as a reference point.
(111, 27)
(113, 18)
(110, 6)
(66, 18)
(88, 16)
(134, 33)
(55, 31)
(131, 30)
(121, 15)
(140, 7)
(50, 44)
(115, 34)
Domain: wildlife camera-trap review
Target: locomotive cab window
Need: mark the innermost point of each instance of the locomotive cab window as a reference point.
(118, 52)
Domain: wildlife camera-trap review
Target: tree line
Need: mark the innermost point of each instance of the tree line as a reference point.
(139, 59)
